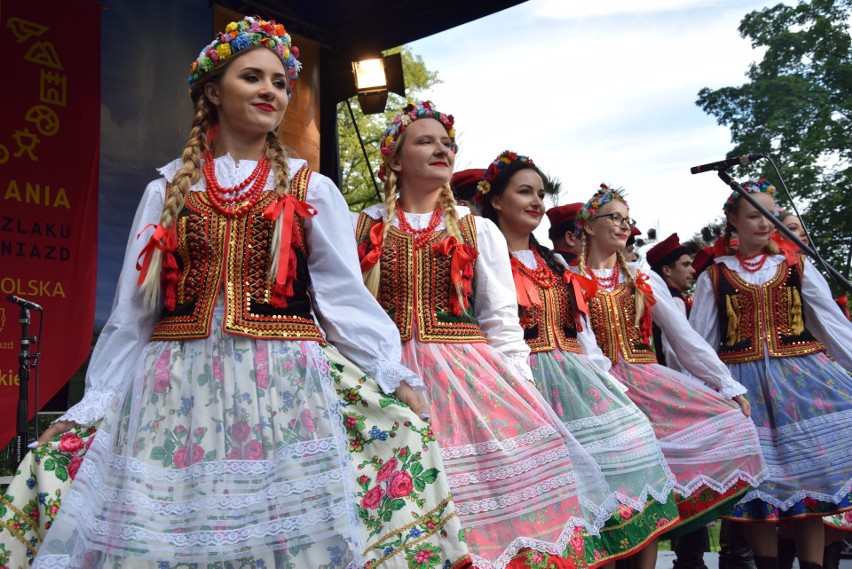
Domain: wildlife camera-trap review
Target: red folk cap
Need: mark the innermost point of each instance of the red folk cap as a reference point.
(664, 252)
(564, 213)
(464, 182)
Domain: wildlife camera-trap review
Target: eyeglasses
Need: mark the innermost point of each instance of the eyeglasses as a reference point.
(617, 219)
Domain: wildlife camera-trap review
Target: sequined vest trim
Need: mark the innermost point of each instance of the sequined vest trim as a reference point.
(749, 314)
(613, 317)
(548, 326)
(214, 250)
(416, 284)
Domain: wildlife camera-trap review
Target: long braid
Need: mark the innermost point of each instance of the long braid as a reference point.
(638, 295)
(581, 258)
(176, 194)
(277, 155)
(451, 222)
(372, 276)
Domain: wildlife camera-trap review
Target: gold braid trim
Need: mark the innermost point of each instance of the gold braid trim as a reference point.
(797, 323)
(19, 535)
(732, 307)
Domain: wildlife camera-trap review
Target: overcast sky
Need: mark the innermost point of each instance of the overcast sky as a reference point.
(599, 91)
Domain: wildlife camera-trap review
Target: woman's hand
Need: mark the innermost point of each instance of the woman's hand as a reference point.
(413, 399)
(56, 428)
(745, 406)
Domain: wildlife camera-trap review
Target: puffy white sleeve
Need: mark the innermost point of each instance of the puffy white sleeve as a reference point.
(825, 320)
(129, 326)
(694, 353)
(352, 320)
(703, 317)
(495, 304)
(669, 352)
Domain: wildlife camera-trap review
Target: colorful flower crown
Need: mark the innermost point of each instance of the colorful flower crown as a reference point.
(248, 32)
(411, 112)
(590, 208)
(498, 165)
(752, 186)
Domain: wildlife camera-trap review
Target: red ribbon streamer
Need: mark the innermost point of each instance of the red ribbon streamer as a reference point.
(288, 206)
(461, 266)
(164, 239)
(646, 321)
(525, 289)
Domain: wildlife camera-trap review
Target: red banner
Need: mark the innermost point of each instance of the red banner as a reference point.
(48, 189)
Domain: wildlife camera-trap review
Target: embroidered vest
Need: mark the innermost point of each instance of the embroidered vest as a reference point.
(749, 314)
(548, 326)
(416, 284)
(214, 250)
(613, 317)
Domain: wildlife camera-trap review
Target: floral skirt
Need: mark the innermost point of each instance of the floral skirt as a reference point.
(31, 501)
(235, 452)
(802, 407)
(710, 446)
(596, 411)
(520, 481)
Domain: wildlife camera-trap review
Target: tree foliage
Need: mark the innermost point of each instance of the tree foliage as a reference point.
(797, 107)
(356, 182)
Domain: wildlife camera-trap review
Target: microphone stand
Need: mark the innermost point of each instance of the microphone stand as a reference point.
(26, 362)
(807, 249)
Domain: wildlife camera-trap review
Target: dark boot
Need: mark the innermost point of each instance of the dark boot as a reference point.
(734, 548)
(809, 565)
(690, 548)
(766, 562)
(831, 555)
(786, 552)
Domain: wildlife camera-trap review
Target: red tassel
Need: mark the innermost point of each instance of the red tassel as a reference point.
(720, 247)
(169, 278)
(278, 299)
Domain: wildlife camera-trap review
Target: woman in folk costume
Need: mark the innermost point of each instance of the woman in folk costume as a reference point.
(570, 370)
(710, 443)
(770, 315)
(522, 484)
(233, 435)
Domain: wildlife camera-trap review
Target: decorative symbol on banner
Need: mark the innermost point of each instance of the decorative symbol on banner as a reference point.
(24, 29)
(2, 318)
(43, 53)
(26, 143)
(53, 88)
(44, 118)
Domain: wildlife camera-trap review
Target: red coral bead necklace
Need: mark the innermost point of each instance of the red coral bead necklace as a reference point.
(228, 200)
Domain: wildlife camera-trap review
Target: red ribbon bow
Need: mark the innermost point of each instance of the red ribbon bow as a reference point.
(369, 252)
(525, 289)
(788, 248)
(584, 289)
(163, 239)
(646, 321)
(462, 257)
(287, 208)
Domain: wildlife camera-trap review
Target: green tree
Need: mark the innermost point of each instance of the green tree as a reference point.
(797, 107)
(357, 186)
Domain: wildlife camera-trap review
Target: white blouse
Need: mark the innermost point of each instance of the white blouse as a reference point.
(824, 319)
(695, 355)
(495, 305)
(347, 314)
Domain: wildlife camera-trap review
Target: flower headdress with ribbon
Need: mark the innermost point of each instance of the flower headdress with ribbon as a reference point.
(411, 112)
(494, 169)
(238, 36)
(597, 201)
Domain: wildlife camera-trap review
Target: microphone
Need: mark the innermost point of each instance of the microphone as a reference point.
(725, 164)
(24, 303)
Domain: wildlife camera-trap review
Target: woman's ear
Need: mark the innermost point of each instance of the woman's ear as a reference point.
(496, 202)
(211, 91)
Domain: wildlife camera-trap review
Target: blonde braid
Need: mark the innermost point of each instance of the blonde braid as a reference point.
(451, 223)
(177, 191)
(277, 155)
(372, 277)
(638, 295)
(581, 257)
